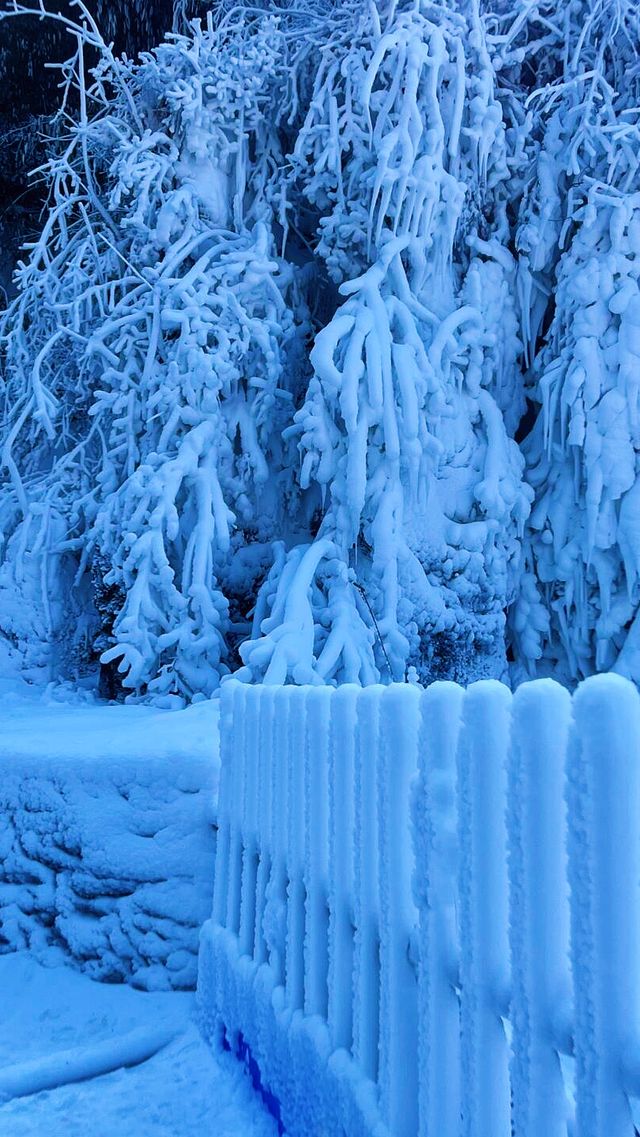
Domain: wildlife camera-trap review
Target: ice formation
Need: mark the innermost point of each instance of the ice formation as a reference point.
(578, 244)
(107, 841)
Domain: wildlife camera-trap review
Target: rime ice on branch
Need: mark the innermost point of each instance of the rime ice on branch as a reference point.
(149, 349)
(327, 351)
(578, 273)
(403, 156)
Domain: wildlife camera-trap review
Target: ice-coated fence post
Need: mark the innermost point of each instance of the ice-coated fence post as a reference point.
(435, 890)
(484, 936)
(295, 848)
(316, 851)
(275, 918)
(341, 818)
(265, 762)
(397, 766)
(539, 907)
(366, 1009)
(227, 750)
(248, 821)
(604, 868)
(236, 797)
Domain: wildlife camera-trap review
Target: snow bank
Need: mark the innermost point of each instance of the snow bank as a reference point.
(427, 907)
(107, 837)
(58, 1025)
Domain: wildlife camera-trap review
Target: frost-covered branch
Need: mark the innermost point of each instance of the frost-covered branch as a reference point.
(401, 434)
(146, 352)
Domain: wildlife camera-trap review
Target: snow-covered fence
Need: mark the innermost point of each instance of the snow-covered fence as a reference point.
(427, 908)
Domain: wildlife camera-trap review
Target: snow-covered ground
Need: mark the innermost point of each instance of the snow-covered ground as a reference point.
(107, 837)
(80, 1058)
(56, 1025)
(58, 722)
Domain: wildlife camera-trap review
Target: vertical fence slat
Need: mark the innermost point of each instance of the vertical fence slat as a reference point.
(249, 822)
(227, 750)
(295, 848)
(482, 789)
(366, 907)
(341, 817)
(539, 907)
(316, 839)
(275, 917)
(398, 759)
(604, 865)
(236, 794)
(435, 888)
(265, 762)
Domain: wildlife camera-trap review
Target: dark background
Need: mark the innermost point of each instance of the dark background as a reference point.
(29, 93)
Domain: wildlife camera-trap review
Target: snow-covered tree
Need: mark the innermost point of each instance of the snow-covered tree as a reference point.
(324, 362)
(578, 247)
(151, 352)
(403, 160)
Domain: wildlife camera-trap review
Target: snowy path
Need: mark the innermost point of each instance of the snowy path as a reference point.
(55, 1025)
